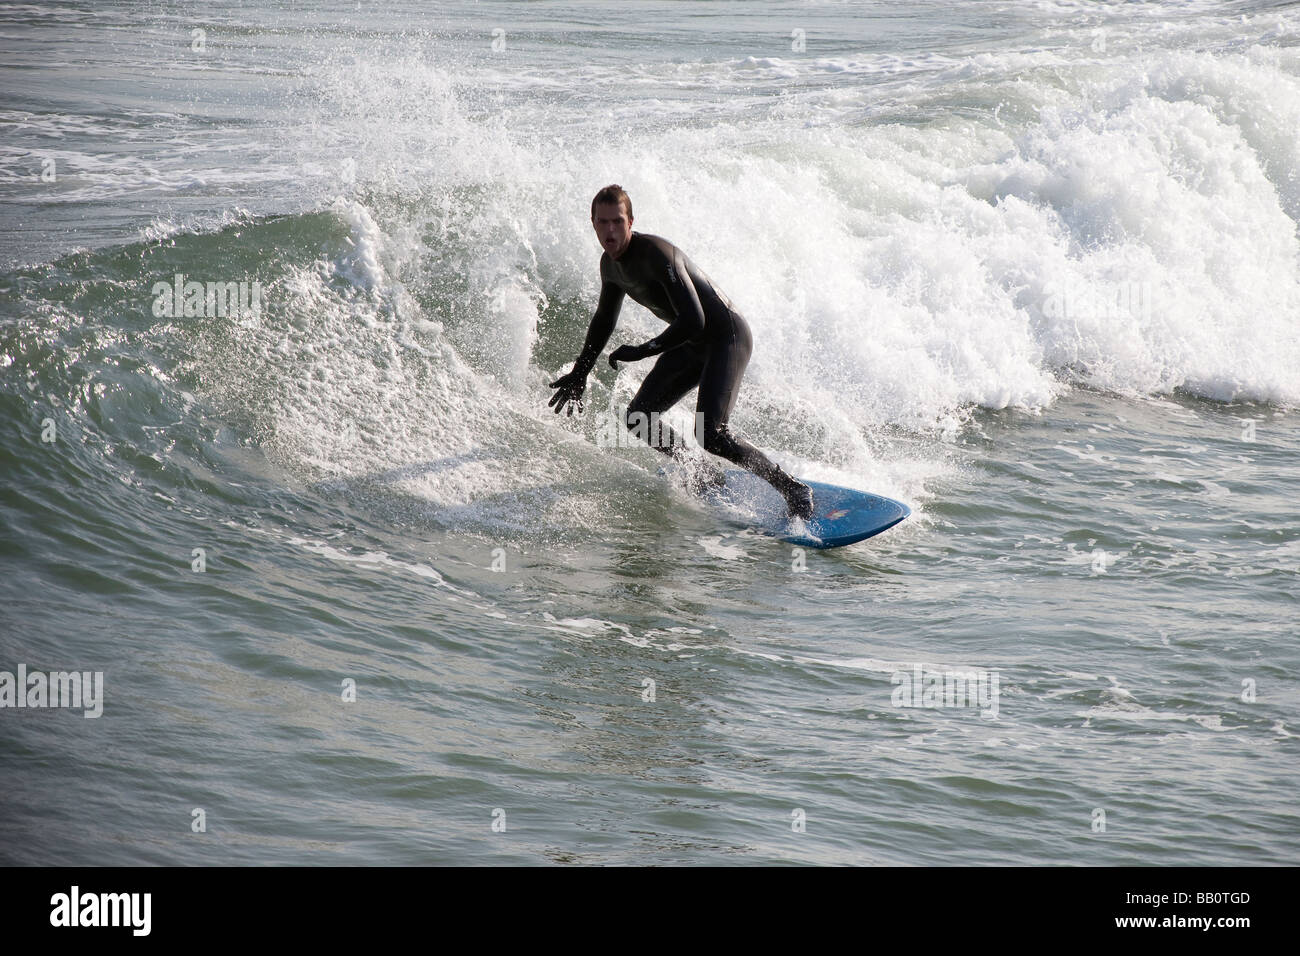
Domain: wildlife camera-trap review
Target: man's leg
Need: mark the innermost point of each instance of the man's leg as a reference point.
(719, 388)
(674, 374)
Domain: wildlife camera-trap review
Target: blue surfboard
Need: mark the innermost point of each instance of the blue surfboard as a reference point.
(840, 515)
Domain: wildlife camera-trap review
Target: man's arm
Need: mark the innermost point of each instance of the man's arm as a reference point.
(689, 314)
(571, 387)
(601, 328)
(669, 269)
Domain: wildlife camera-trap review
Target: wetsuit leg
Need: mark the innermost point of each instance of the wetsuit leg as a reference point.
(724, 368)
(675, 373)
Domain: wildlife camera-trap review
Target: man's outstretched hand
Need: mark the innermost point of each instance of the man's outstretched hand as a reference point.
(570, 389)
(630, 353)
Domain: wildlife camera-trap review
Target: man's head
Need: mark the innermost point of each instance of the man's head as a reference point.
(611, 217)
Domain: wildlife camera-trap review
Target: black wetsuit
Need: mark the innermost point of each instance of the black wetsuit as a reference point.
(707, 343)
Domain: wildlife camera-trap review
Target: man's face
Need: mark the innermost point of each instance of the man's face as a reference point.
(613, 228)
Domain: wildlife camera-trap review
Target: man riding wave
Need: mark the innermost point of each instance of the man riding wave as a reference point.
(707, 344)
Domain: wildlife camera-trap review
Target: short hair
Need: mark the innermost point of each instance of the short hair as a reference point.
(612, 193)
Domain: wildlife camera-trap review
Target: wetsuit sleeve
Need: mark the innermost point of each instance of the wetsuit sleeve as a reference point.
(689, 314)
(602, 325)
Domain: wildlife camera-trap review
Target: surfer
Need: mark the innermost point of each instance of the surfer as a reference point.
(707, 343)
